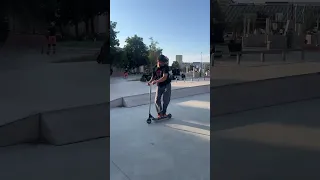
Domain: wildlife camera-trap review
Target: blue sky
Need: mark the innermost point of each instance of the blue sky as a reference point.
(180, 26)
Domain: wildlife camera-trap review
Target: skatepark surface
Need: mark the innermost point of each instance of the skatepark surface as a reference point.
(172, 149)
(279, 142)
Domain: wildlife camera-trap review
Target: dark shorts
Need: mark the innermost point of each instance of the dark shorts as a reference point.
(52, 40)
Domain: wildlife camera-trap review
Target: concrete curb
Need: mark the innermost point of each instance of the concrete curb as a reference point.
(143, 99)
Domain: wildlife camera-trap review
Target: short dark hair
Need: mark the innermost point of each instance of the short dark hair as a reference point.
(163, 58)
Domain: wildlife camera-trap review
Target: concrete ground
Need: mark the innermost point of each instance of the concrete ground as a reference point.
(82, 161)
(174, 149)
(280, 142)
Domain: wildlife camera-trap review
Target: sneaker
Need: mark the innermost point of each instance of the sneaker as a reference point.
(164, 115)
(159, 116)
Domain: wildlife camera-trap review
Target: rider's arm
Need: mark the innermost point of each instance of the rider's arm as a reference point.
(165, 75)
(153, 77)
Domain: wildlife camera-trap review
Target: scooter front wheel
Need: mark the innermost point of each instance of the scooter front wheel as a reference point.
(149, 121)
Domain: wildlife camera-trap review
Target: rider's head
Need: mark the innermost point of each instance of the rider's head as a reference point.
(162, 60)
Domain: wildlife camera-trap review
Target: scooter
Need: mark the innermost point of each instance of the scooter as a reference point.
(152, 118)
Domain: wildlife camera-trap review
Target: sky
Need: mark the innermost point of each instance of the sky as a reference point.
(181, 27)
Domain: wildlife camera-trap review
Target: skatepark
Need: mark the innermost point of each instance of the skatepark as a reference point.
(264, 121)
(69, 110)
(73, 139)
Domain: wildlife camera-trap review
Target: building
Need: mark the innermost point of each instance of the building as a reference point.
(179, 59)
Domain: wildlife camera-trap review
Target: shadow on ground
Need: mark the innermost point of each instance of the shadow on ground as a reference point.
(243, 160)
(301, 113)
(279, 142)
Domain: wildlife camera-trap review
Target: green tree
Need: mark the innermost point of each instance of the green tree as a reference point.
(71, 11)
(175, 65)
(109, 51)
(154, 52)
(114, 41)
(137, 51)
(92, 9)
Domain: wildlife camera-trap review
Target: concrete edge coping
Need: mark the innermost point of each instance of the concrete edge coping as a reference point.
(259, 80)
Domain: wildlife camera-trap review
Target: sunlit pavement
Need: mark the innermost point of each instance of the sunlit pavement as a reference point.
(173, 149)
(280, 142)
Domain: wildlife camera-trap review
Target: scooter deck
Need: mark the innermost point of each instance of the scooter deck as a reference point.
(163, 118)
(151, 118)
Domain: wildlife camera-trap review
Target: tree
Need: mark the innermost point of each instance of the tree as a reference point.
(114, 41)
(92, 9)
(217, 23)
(154, 52)
(175, 65)
(109, 51)
(71, 11)
(137, 51)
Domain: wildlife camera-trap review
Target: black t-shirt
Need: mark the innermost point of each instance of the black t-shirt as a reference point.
(52, 31)
(158, 73)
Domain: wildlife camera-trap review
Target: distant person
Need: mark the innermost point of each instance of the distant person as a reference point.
(183, 76)
(160, 76)
(52, 39)
(125, 73)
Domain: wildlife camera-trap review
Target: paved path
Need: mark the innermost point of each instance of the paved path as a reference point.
(280, 142)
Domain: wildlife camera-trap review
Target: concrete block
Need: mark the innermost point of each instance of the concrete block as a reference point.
(262, 93)
(24, 130)
(116, 103)
(143, 99)
(76, 124)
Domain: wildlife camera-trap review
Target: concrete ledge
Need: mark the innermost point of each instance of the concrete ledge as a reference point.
(76, 124)
(262, 93)
(116, 103)
(143, 99)
(24, 130)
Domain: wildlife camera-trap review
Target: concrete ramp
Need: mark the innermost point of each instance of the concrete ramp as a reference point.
(21, 131)
(76, 124)
(142, 99)
(263, 93)
(59, 127)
